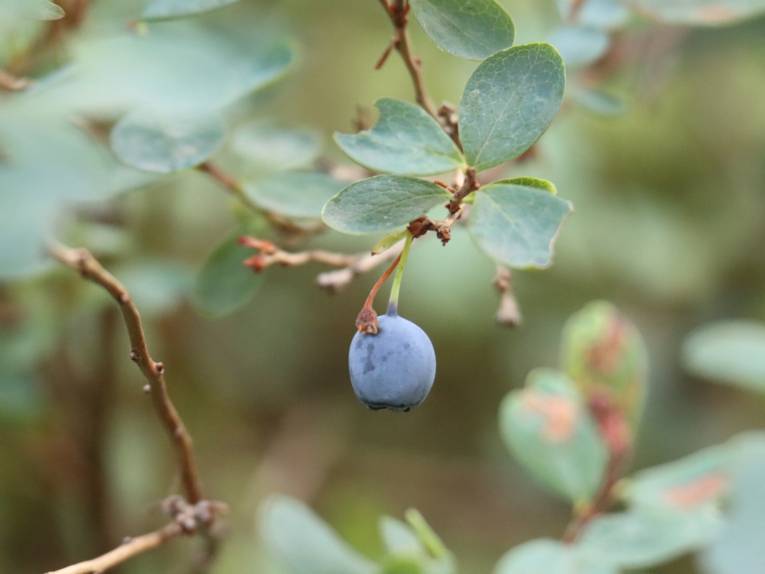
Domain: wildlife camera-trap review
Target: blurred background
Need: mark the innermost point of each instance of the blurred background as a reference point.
(669, 198)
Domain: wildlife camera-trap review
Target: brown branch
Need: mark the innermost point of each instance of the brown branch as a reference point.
(130, 548)
(469, 185)
(349, 265)
(398, 12)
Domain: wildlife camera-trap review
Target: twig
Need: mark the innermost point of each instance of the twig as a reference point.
(191, 514)
(11, 83)
(130, 548)
(350, 265)
(398, 11)
(508, 312)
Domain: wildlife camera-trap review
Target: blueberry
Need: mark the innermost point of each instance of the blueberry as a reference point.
(395, 368)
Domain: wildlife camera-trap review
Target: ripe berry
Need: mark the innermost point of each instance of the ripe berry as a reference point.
(395, 368)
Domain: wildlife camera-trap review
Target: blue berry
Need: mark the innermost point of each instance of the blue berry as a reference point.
(394, 368)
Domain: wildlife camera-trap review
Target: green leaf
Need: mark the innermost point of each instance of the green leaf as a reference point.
(549, 430)
(696, 480)
(381, 204)
(159, 143)
(294, 194)
(165, 9)
(158, 286)
(405, 141)
(224, 284)
(738, 548)
(528, 181)
(644, 539)
(517, 224)
(603, 14)
(472, 29)
(579, 46)
(269, 147)
(399, 538)
(401, 565)
(303, 543)
(700, 12)
(545, 556)
(389, 241)
(427, 536)
(599, 102)
(509, 102)
(731, 352)
(604, 354)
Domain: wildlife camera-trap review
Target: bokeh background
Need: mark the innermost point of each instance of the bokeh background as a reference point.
(669, 199)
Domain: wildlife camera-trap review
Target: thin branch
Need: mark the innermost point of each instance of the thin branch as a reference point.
(81, 260)
(398, 12)
(130, 548)
(350, 265)
(508, 311)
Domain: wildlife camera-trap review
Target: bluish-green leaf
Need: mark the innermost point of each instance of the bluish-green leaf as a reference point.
(162, 143)
(544, 556)
(268, 147)
(517, 224)
(381, 204)
(509, 102)
(642, 539)
(472, 29)
(166, 9)
(224, 284)
(157, 286)
(700, 12)
(579, 46)
(548, 428)
(294, 194)
(399, 538)
(603, 14)
(405, 141)
(303, 544)
(732, 352)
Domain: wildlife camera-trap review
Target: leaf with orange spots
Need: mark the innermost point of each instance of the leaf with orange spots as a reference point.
(549, 430)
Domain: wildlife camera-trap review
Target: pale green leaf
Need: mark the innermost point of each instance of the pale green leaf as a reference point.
(389, 241)
(509, 102)
(603, 14)
(294, 194)
(641, 539)
(268, 147)
(544, 556)
(224, 284)
(472, 29)
(165, 9)
(731, 352)
(700, 12)
(599, 102)
(405, 141)
(548, 428)
(517, 224)
(381, 204)
(303, 543)
(162, 143)
(399, 538)
(579, 46)
(157, 286)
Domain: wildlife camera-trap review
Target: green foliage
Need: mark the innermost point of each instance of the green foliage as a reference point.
(157, 285)
(579, 46)
(381, 204)
(162, 143)
(701, 12)
(500, 116)
(165, 9)
(269, 147)
(294, 194)
(598, 102)
(731, 352)
(517, 221)
(224, 284)
(405, 141)
(12, 11)
(472, 29)
(604, 354)
(550, 557)
(547, 427)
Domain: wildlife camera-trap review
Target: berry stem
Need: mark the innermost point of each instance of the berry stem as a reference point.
(366, 320)
(396, 288)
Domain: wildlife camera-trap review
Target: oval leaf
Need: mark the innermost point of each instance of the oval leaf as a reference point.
(579, 46)
(549, 557)
(732, 352)
(381, 204)
(294, 194)
(549, 430)
(224, 284)
(472, 29)
(166, 9)
(311, 547)
(272, 148)
(161, 143)
(509, 102)
(517, 224)
(405, 141)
